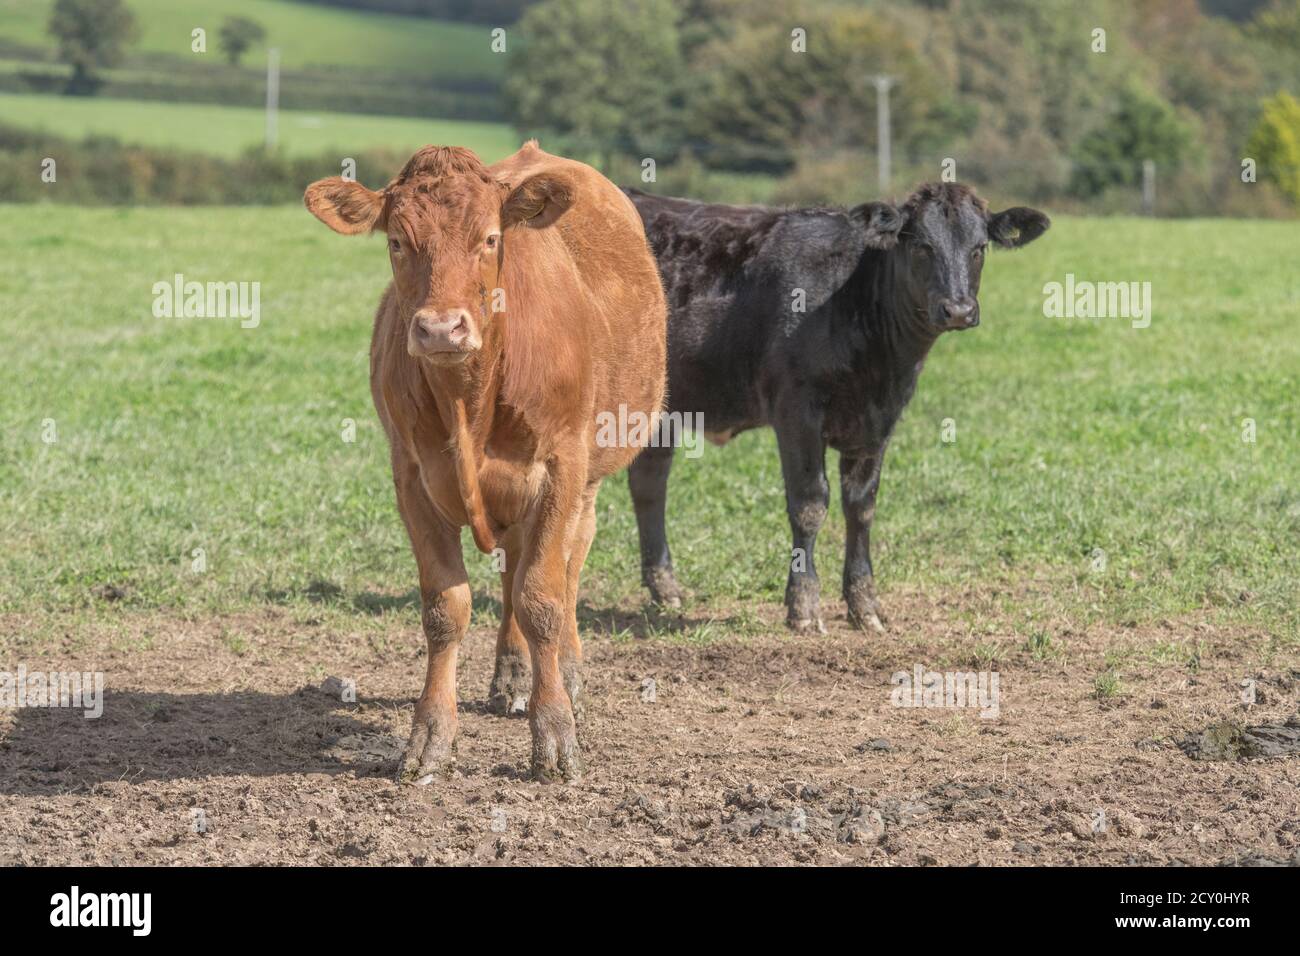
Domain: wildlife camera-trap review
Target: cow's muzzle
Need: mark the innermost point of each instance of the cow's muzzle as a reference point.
(962, 312)
(451, 333)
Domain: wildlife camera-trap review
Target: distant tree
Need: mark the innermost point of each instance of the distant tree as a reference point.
(1142, 126)
(1278, 24)
(602, 76)
(783, 83)
(91, 36)
(1275, 144)
(237, 35)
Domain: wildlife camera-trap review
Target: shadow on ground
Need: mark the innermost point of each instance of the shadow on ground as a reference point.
(161, 736)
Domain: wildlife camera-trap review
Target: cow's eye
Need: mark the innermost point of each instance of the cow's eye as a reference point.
(491, 241)
(395, 245)
(977, 253)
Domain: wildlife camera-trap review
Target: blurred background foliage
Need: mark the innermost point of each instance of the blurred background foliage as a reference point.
(1016, 92)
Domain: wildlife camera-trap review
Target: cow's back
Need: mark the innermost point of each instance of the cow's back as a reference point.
(724, 298)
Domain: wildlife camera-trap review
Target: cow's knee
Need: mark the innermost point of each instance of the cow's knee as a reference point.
(445, 617)
(808, 514)
(540, 613)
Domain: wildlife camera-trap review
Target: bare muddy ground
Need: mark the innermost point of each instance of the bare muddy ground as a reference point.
(762, 749)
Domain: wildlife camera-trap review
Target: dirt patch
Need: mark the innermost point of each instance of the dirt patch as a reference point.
(1229, 740)
(218, 744)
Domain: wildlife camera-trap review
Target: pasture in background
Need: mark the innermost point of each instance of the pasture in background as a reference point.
(309, 34)
(1099, 472)
(229, 131)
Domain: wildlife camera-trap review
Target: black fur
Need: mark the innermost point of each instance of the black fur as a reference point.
(879, 283)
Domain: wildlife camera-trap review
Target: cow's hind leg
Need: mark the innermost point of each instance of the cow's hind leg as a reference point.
(571, 645)
(510, 681)
(859, 479)
(803, 466)
(445, 600)
(647, 479)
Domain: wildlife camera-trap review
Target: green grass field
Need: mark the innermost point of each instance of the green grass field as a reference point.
(1071, 435)
(306, 34)
(229, 130)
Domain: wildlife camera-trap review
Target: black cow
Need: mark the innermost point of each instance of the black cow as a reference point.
(816, 322)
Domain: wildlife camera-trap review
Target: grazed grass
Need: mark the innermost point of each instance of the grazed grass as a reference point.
(229, 130)
(1106, 685)
(1072, 436)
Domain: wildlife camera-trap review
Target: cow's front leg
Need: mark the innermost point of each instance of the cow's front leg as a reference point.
(445, 603)
(803, 466)
(859, 479)
(541, 606)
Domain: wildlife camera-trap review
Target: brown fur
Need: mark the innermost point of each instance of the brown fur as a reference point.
(502, 439)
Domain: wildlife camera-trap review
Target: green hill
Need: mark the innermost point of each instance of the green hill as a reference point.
(307, 35)
(228, 130)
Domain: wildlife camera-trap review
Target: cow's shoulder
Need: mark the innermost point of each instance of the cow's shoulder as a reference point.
(816, 250)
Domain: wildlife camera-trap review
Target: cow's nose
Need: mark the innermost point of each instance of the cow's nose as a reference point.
(960, 312)
(448, 331)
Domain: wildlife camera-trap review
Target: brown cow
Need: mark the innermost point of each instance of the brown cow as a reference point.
(524, 303)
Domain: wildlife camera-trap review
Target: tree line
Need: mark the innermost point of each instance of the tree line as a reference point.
(1047, 99)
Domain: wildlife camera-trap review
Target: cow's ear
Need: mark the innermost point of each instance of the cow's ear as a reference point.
(538, 201)
(343, 205)
(1016, 226)
(882, 222)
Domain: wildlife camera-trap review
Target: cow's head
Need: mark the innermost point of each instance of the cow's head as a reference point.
(444, 217)
(939, 237)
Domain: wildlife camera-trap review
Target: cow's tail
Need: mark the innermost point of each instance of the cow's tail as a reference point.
(467, 482)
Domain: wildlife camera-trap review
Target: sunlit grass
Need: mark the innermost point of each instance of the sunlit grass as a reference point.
(1103, 463)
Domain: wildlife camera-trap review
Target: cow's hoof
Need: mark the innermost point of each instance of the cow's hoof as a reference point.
(867, 619)
(430, 754)
(434, 762)
(556, 757)
(865, 612)
(511, 684)
(663, 587)
(567, 768)
(803, 606)
(806, 625)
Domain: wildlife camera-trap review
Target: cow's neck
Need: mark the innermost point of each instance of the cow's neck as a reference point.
(890, 327)
(465, 399)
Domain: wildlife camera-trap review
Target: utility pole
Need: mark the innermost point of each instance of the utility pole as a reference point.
(1148, 187)
(272, 95)
(883, 145)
